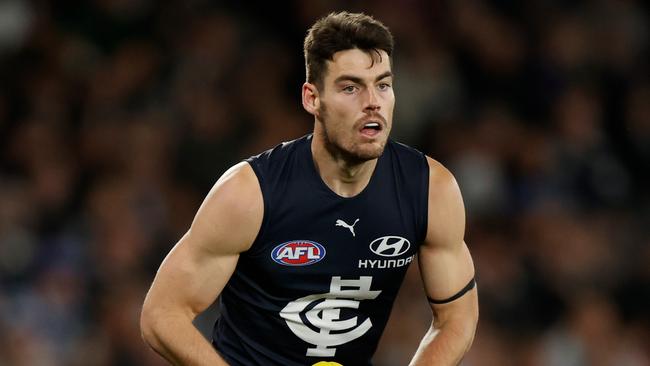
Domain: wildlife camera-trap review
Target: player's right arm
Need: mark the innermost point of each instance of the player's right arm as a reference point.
(198, 267)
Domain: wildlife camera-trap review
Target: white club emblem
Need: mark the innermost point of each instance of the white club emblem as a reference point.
(340, 222)
(325, 315)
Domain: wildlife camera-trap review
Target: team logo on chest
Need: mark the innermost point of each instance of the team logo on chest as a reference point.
(298, 253)
(318, 319)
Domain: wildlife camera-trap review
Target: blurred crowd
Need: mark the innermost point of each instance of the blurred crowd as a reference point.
(117, 116)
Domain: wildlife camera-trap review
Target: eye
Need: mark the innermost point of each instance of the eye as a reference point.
(384, 86)
(349, 89)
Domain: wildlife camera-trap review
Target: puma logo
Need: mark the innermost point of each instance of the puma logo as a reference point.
(340, 222)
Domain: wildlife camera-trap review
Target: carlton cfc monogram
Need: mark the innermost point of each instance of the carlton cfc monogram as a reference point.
(324, 312)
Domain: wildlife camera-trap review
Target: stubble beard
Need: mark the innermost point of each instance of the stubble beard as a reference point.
(354, 153)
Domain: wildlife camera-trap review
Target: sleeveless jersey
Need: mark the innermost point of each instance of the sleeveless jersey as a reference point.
(319, 282)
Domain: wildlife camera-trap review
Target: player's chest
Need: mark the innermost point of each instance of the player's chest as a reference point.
(297, 251)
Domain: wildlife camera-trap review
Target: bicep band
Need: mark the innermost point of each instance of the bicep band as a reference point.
(469, 286)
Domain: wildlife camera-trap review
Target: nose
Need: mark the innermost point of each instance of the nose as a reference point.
(372, 101)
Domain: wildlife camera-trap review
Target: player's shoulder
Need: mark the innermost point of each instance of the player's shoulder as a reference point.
(231, 214)
(279, 151)
(405, 150)
(409, 159)
(237, 184)
(273, 166)
(438, 173)
(443, 187)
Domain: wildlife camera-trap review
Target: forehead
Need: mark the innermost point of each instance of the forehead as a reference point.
(355, 62)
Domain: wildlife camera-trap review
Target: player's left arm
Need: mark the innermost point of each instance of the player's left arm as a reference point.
(447, 273)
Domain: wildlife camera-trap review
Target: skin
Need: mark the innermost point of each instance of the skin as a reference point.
(446, 266)
(357, 89)
(354, 93)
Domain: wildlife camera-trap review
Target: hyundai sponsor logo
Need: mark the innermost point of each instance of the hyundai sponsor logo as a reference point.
(298, 253)
(390, 246)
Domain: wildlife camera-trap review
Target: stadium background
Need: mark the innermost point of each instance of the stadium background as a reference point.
(117, 116)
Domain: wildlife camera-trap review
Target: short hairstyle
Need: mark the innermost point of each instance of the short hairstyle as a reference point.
(338, 32)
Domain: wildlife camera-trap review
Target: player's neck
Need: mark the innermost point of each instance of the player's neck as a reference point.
(344, 177)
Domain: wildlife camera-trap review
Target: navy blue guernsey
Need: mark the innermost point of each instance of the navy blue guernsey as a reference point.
(319, 282)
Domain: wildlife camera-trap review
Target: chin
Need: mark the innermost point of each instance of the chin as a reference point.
(355, 151)
(365, 153)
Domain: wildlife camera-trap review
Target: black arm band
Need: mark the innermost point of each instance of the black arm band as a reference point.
(469, 286)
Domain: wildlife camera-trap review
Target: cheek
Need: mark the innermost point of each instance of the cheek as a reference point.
(389, 100)
(390, 107)
(342, 110)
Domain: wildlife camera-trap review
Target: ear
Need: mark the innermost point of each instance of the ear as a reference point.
(310, 98)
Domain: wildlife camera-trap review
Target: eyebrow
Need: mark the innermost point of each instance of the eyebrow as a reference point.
(358, 80)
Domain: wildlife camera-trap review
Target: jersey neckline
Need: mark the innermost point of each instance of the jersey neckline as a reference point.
(320, 184)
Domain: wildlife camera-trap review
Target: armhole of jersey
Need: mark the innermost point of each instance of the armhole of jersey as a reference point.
(425, 200)
(265, 219)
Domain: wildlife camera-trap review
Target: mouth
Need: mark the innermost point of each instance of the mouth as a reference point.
(371, 128)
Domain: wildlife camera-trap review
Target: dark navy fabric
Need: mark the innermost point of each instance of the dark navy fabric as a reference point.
(336, 308)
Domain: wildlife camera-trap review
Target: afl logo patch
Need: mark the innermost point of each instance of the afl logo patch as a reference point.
(298, 253)
(390, 246)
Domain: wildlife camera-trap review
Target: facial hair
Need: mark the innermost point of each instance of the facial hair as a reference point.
(350, 152)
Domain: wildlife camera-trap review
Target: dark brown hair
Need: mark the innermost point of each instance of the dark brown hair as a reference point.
(338, 32)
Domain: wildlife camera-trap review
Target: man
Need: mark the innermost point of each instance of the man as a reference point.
(308, 243)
